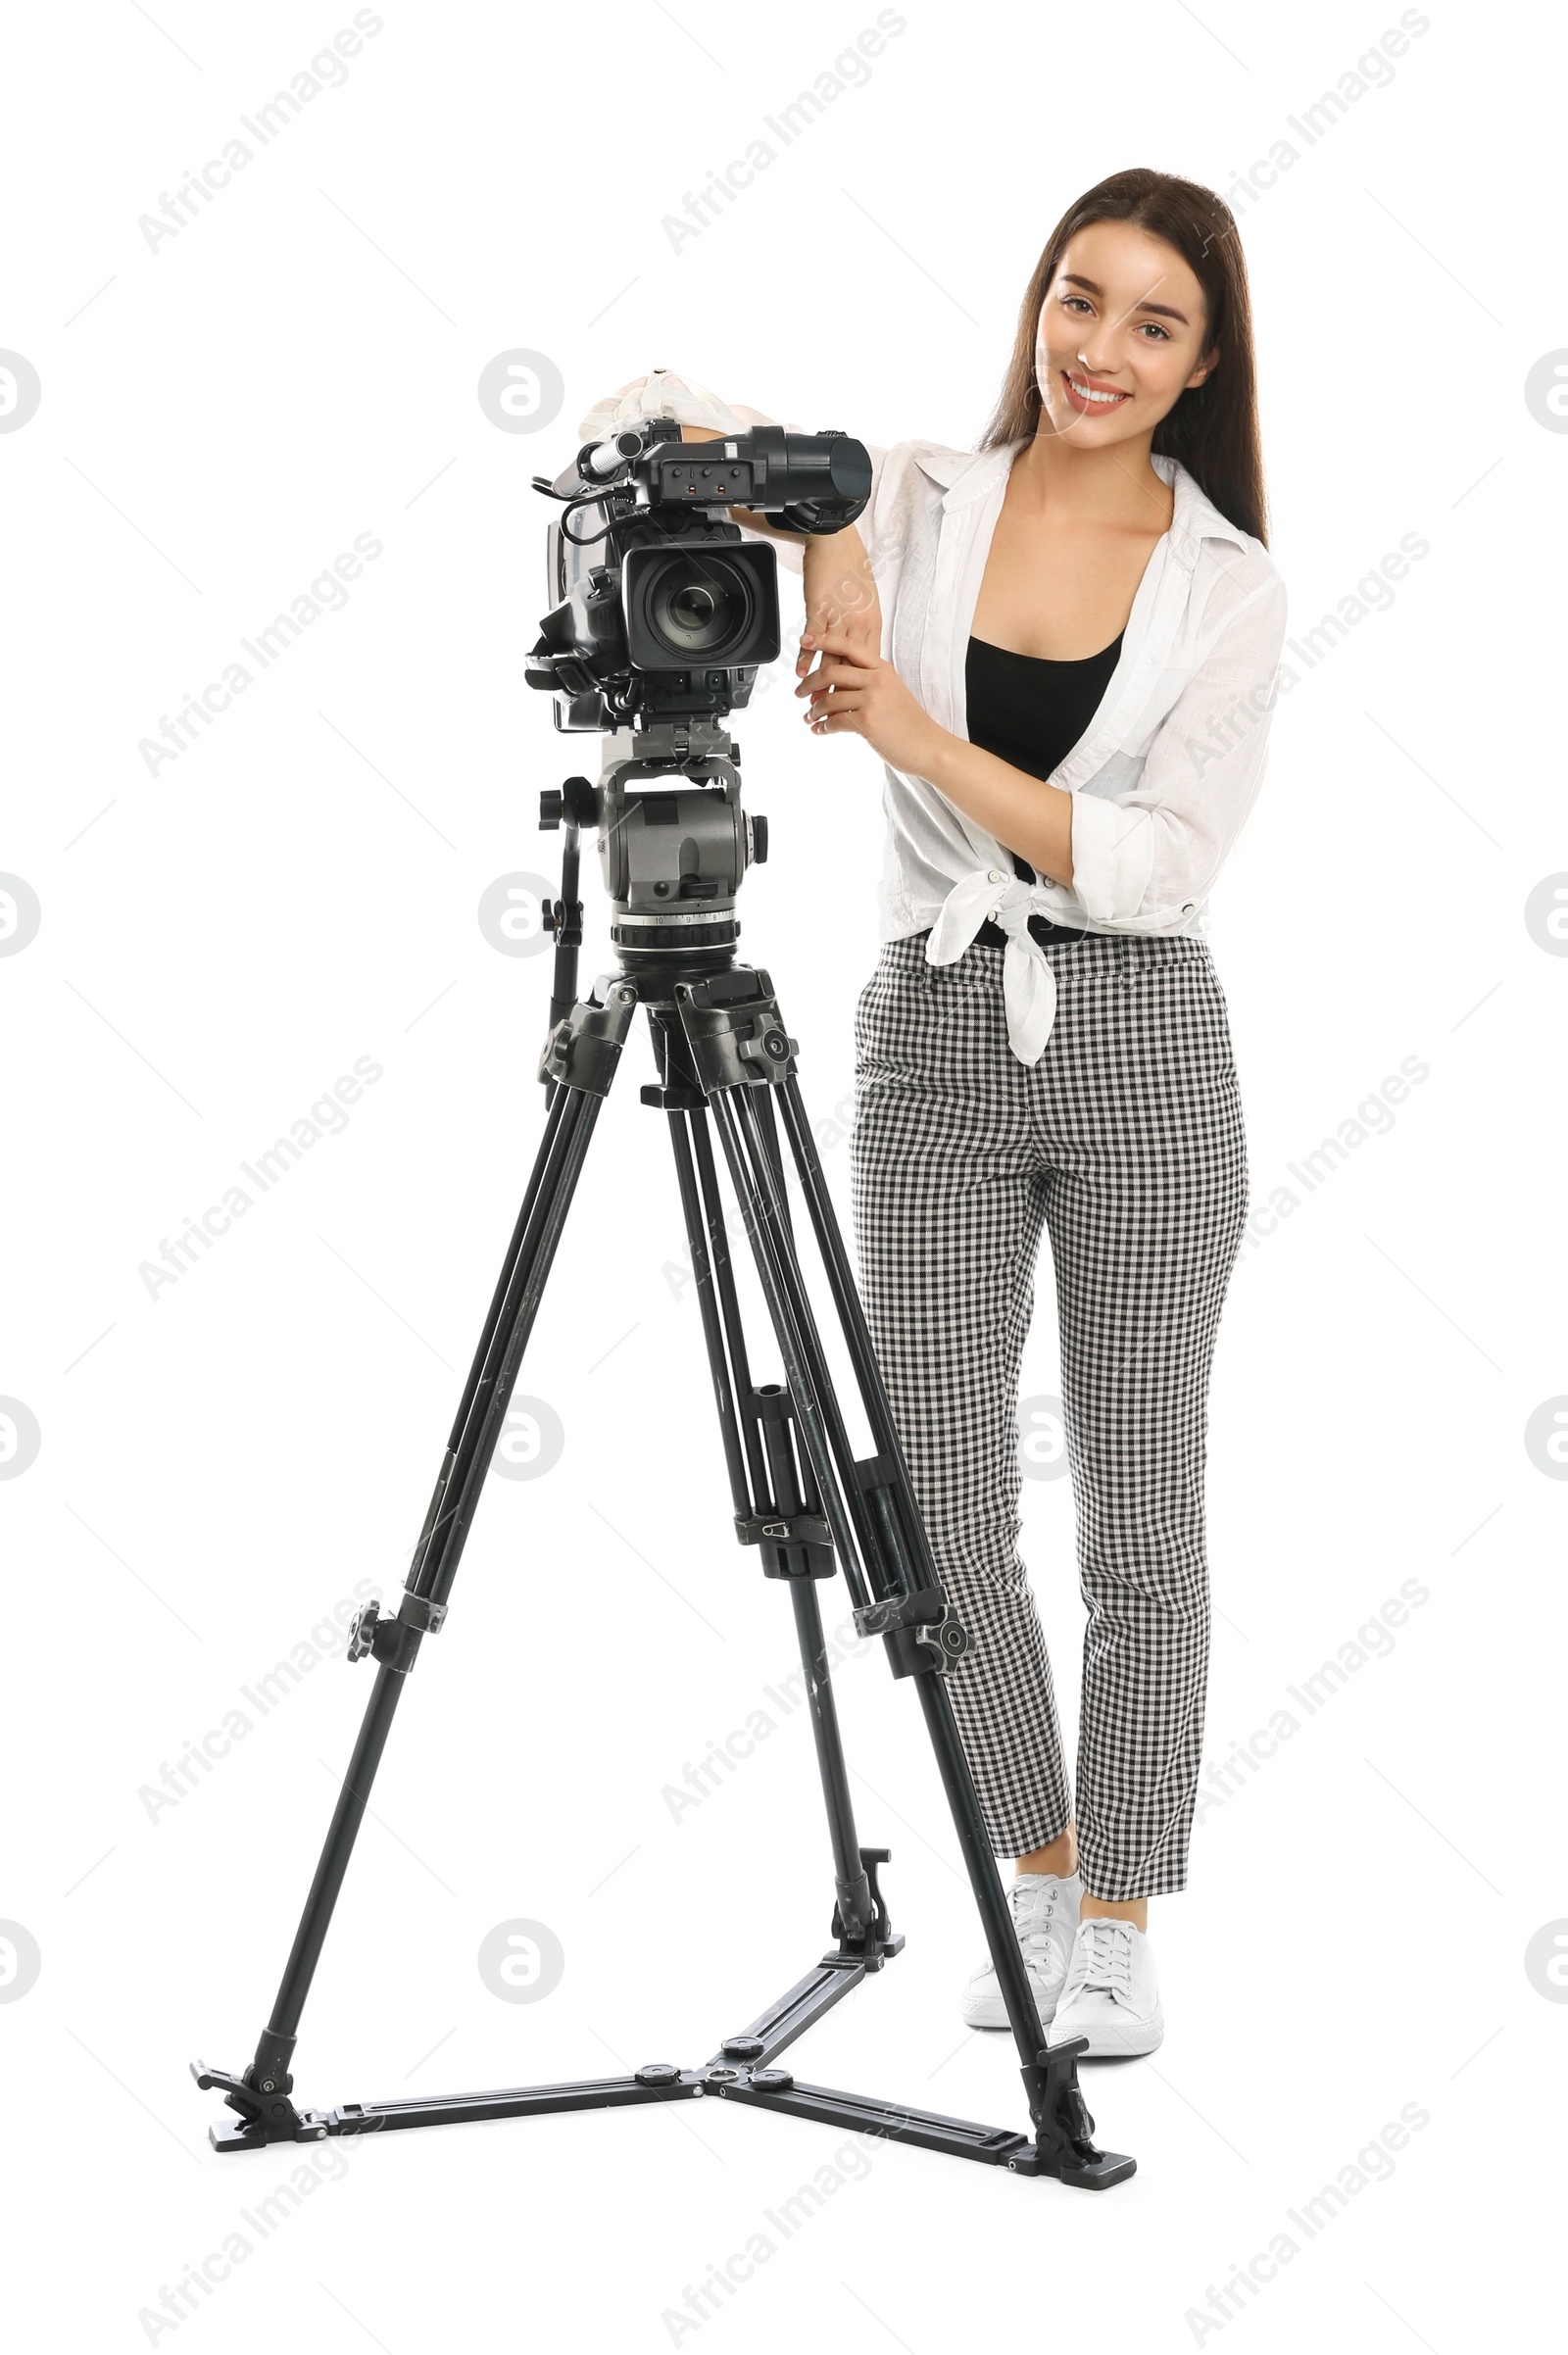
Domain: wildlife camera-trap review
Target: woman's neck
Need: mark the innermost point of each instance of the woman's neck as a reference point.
(1106, 489)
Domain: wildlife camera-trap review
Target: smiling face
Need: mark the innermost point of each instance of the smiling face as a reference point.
(1121, 336)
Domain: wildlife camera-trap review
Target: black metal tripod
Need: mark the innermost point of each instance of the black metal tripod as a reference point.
(800, 1496)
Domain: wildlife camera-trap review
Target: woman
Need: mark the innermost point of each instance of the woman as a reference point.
(1063, 646)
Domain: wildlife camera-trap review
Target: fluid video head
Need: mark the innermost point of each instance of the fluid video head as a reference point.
(663, 614)
(674, 617)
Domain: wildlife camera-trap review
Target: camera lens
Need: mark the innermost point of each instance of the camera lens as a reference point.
(692, 610)
(699, 605)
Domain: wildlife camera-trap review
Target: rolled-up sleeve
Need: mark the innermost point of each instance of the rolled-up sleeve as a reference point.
(1149, 857)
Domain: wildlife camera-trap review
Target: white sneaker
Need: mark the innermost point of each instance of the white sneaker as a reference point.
(1044, 1915)
(1111, 1993)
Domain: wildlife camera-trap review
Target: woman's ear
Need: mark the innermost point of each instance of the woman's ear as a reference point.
(1203, 370)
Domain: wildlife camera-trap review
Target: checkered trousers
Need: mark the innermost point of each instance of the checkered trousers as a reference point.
(1126, 1142)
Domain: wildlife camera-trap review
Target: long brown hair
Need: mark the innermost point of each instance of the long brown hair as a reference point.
(1213, 429)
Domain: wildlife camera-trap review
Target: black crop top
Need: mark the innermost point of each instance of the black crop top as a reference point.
(1030, 711)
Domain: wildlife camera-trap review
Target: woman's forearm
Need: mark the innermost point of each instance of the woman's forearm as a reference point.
(855, 690)
(838, 582)
(1031, 817)
(840, 588)
(836, 574)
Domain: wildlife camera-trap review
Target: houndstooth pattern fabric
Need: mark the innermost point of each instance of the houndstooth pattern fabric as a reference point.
(1126, 1142)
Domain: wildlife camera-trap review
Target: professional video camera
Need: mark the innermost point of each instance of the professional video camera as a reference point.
(652, 647)
(676, 617)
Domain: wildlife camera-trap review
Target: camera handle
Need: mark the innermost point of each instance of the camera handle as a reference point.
(572, 808)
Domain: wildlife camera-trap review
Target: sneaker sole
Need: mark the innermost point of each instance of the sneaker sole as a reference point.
(989, 2011)
(1128, 2043)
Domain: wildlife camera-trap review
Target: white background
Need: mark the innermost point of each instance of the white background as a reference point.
(219, 1464)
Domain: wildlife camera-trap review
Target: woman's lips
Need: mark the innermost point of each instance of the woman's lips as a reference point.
(1086, 400)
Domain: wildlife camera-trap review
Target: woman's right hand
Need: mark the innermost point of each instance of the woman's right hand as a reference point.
(840, 593)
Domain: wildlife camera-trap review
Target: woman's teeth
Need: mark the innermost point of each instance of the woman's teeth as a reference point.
(1085, 392)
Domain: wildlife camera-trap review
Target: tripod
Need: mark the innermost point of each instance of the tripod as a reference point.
(798, 1493)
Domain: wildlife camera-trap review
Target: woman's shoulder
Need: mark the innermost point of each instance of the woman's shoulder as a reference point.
(1235, 584)
(913, 477)
(1235, 574)
(933, 461)
(1206, 531)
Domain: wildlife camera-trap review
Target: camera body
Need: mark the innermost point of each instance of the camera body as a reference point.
(678, 611)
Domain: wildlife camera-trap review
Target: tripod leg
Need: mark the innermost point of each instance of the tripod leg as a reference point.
(860, 1921)
(481, 1356)
(901, 1575)
(587, 1050)
(768, 1490)
(1063, 2127)
(819, 1424)
(722, 1337)
(852, 1319)
(461, 1474)
(910, 1611)
(492, 1395)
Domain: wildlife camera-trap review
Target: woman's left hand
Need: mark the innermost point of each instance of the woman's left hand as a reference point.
(855, 693)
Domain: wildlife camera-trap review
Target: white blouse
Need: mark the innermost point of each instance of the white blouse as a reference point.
(1169, 769)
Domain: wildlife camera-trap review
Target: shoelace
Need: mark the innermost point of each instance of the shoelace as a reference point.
(1033, 1912)
(1108, 1955)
